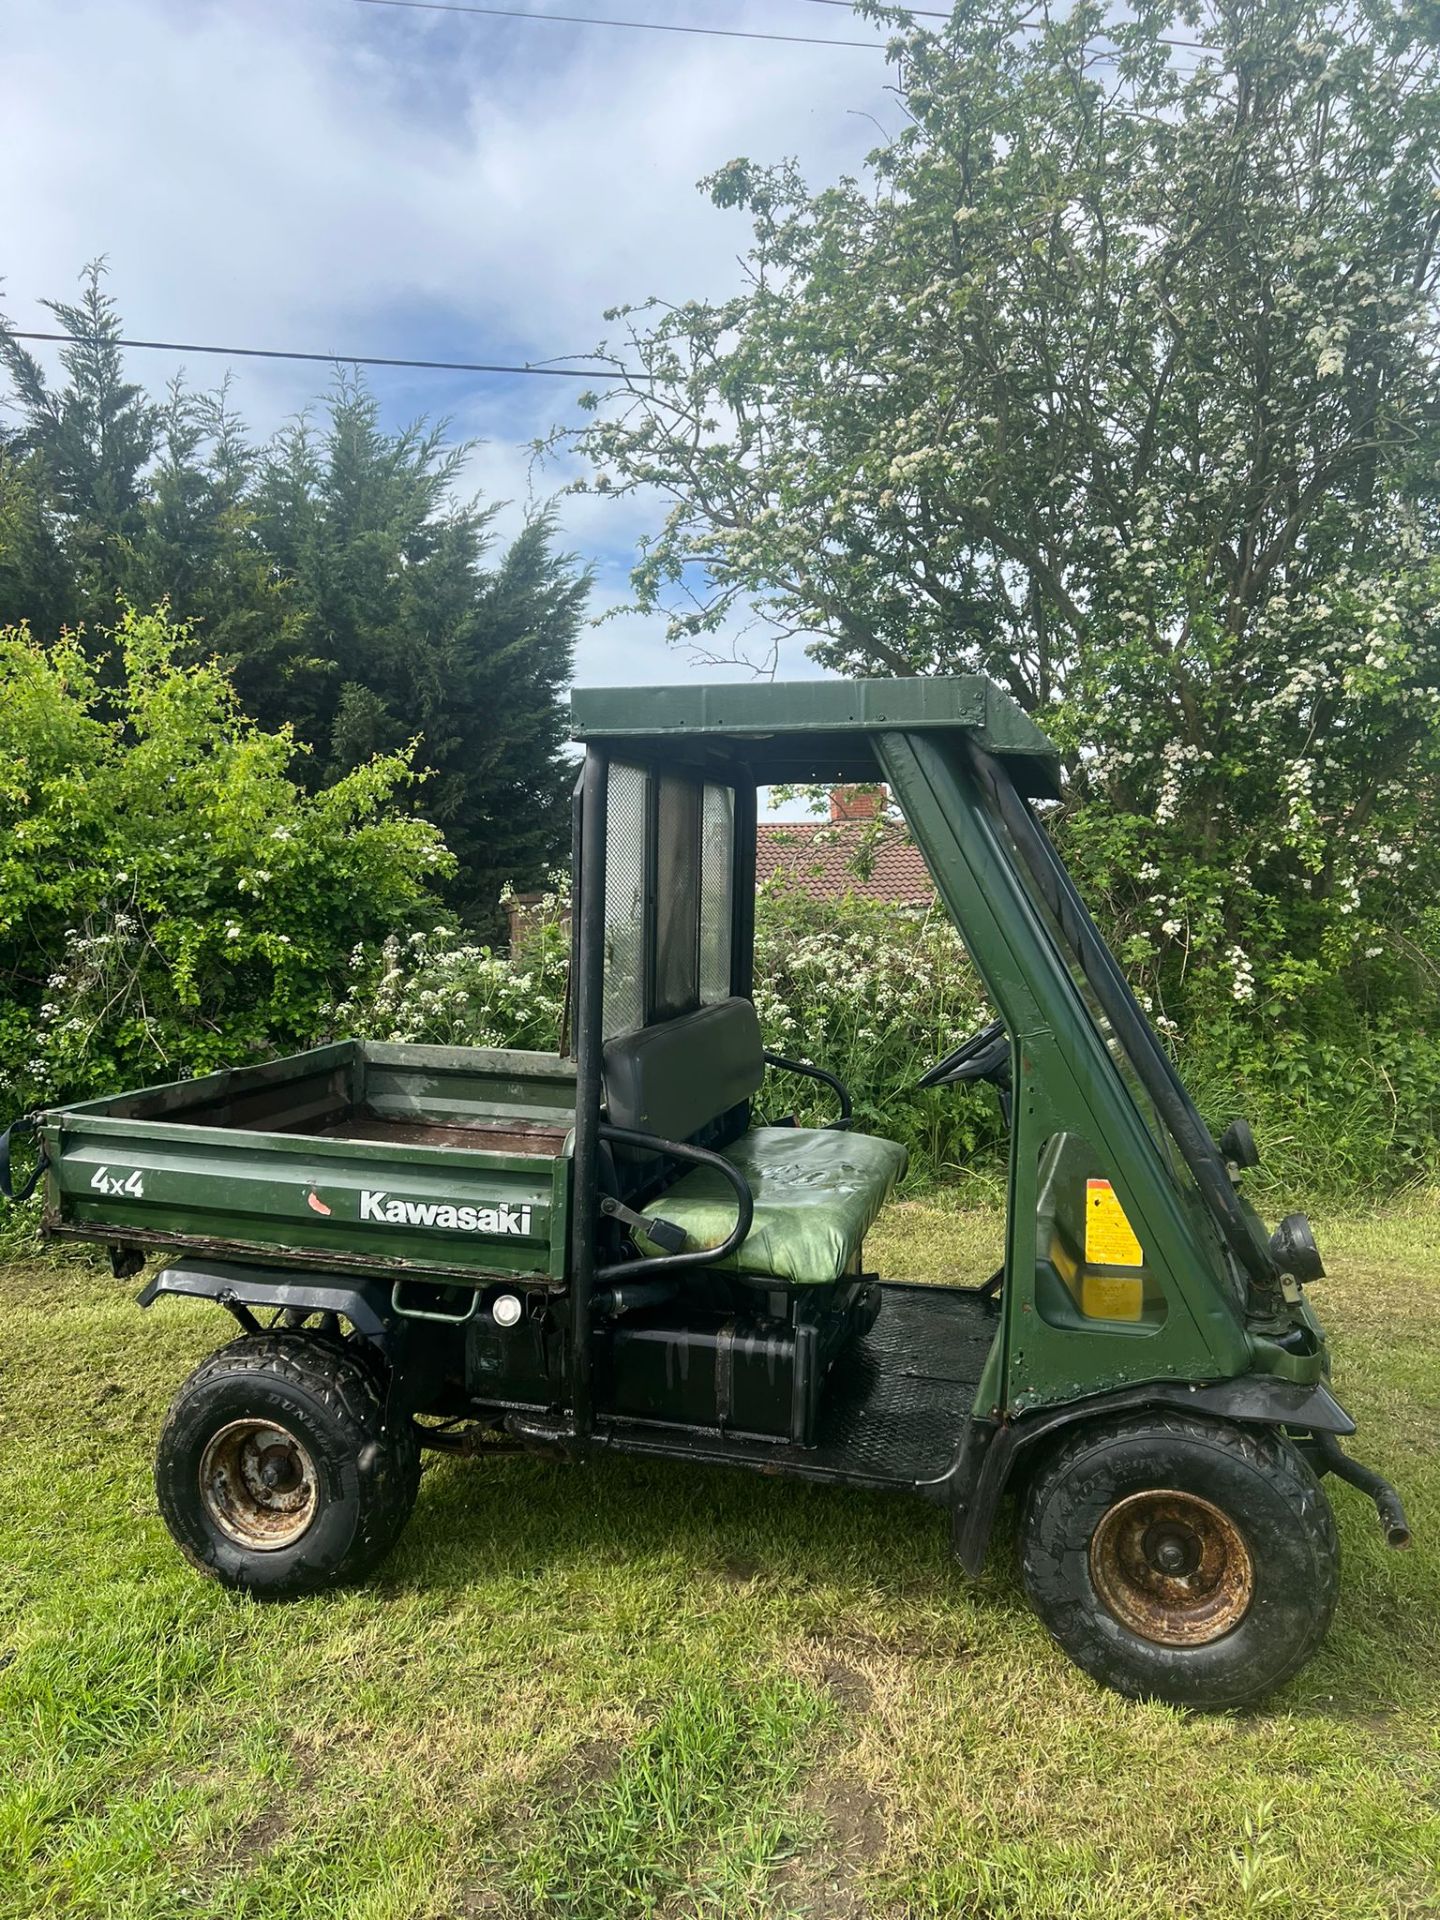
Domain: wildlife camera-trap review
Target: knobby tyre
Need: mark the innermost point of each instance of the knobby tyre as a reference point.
(1181, 1559)
(275, 1471)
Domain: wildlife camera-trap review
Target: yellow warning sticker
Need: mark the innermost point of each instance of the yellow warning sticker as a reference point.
(1063, 1261)
(1112, 1296)
(1109, 1237)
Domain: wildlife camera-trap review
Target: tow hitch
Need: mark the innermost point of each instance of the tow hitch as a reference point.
(1388, 1506)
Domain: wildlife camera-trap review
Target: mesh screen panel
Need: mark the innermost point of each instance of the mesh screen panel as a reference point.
(717, 886)
(625, 900)
(676, 987)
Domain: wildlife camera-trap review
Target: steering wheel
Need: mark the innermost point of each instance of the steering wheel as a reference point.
(984, 1056)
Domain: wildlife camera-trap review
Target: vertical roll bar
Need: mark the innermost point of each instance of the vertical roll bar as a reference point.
(742, 923)
(589, 954)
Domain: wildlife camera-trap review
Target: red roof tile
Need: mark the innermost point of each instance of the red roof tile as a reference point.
(820, 859)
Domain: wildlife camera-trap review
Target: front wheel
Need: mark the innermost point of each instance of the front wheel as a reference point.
(275, 1472)
(1182, 1560)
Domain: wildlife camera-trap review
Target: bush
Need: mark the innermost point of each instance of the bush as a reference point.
(876, 993)
(1348, 1107)
(441, 988)
(170, 898)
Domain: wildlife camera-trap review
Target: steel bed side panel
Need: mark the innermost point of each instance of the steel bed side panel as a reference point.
(421, 1208)
(468, 1084)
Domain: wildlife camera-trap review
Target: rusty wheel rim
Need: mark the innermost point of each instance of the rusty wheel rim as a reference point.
(1172, 1567)
(257, 1485)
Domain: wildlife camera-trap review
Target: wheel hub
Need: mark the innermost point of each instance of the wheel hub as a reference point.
(258, 1485)
(1172, 1567)
(280, 1471)
(1172, 1551)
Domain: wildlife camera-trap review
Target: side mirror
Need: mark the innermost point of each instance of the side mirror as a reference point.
(1237, 1143)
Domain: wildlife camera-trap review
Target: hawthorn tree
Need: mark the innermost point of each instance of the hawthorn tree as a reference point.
(1114, 378)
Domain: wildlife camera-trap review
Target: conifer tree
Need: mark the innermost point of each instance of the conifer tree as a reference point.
(342, 584)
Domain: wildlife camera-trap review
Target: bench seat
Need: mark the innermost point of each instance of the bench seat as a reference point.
(817, 1194)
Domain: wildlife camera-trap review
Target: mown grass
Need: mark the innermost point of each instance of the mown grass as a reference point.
(619, 1689)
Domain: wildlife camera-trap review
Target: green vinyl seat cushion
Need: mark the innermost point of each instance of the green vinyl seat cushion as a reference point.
(817, 1194)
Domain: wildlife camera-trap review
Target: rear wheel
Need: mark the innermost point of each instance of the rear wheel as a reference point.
(1181, 1559)
(275, 1472)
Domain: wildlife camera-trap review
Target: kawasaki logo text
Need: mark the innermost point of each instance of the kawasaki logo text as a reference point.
(425, 1213)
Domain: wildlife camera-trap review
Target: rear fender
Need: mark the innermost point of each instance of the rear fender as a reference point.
(975, 1486)
(240, 1289)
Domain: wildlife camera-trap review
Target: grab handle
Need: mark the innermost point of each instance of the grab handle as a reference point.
(696, 1157)
(398, 1305)
(831, 1080)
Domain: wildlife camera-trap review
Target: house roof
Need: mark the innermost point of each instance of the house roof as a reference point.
(820, 859)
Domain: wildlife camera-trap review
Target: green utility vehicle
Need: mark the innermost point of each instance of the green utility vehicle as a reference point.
(609, 1250)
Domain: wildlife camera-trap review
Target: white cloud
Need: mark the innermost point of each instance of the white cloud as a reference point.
(342, 177)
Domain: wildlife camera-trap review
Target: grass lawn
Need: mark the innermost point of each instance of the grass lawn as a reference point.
(619, 1689)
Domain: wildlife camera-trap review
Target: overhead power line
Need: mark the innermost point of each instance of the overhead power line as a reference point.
(720, 33)
(1021, 26)
(332, 359)
(634, 26)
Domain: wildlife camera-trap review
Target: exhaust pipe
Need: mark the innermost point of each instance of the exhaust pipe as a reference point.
(1388, 1506)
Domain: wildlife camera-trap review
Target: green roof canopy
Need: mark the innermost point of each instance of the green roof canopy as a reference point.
(810, 730)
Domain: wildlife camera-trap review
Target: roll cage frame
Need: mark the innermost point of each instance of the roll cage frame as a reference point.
(963, 762)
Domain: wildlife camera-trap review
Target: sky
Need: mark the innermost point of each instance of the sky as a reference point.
(353, 178)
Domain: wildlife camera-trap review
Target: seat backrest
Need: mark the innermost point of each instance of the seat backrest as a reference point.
(677, 1078)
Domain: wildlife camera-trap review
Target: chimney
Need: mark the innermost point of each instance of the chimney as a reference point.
(856, 803)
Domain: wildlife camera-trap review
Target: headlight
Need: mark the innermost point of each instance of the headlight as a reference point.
(1293, 1248)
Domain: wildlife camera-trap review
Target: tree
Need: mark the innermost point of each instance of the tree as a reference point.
(333, 573)
(198, 547)
(1114, 380)
(408, 635)
(36, 581)
(170, 897)
(89, 442)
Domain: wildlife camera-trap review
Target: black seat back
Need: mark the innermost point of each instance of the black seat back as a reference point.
(684, 1078)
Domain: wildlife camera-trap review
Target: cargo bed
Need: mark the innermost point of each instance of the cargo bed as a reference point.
(334, 1158)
